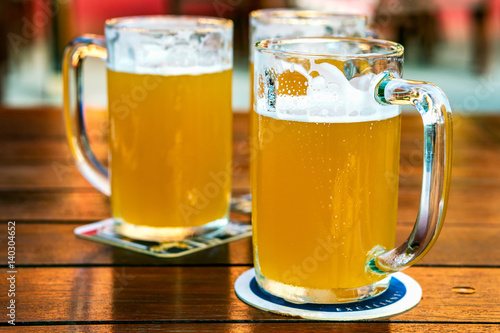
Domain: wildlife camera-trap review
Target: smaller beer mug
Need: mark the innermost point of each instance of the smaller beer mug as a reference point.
(279, 23)
(284, 22)
(325, 183)
(170, 123)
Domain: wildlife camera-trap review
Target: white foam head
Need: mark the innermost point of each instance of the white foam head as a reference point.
(169, 45)
(330, 97)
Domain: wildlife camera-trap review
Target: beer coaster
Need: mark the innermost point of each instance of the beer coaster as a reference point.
(103, 232)
(403, 294)
(242, 204)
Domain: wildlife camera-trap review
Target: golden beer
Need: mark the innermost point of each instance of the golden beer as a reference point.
(327, 123)
(170, 123)
(170, 142)
(324, 197)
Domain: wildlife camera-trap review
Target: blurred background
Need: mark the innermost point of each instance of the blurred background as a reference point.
(452, 43)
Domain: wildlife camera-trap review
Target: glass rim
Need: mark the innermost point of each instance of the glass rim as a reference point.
(283, 15)
(203, 23)
(393, 48)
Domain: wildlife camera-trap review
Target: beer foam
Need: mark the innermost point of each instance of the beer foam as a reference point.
(183, 52)
(330, 97)
(170, 70)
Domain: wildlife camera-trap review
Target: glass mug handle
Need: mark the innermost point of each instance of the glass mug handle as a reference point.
(435, 110)
(78, 49)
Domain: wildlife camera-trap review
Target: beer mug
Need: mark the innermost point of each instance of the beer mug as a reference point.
(274, 23)
(325, 191)
(279, 23)
(170, 123)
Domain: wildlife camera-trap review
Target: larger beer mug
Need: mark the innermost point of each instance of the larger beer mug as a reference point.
(170, 123)
(325, 188)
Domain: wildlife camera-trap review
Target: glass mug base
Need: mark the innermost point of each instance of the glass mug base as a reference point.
(294, 294)
(168, 234)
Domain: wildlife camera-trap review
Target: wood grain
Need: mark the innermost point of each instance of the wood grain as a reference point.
(87, 204)
(458, 245)
(55, 168)
(271, 327)
(72, 284)
(206, 294)
(49, 122)
(46, 154)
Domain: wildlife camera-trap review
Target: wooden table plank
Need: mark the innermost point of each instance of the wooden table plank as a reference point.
(207, 294)
(271, 327)
(65, 176)
(51, 167)
(465, 205)
(473, 164)
(31, 124)
(48, 122)
(458, 245)
(59, 246)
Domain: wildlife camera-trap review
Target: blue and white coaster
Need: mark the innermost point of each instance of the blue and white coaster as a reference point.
(403, 294)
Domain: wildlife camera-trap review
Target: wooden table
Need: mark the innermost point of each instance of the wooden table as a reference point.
(63, 281)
